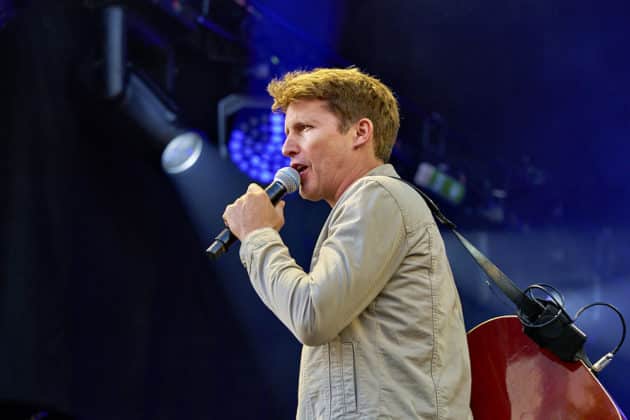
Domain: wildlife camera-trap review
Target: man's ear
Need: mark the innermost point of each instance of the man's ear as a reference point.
(364, 131)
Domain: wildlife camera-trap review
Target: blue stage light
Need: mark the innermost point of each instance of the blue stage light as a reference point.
(255, 145)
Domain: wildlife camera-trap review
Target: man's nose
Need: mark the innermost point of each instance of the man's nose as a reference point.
(289, 147)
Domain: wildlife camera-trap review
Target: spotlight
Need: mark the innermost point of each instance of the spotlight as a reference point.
(256, 137)
(142, 100)
(150, 109)
(255, 144)
(182, 152)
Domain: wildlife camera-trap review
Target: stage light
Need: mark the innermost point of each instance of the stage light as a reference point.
(256, 136)
(439, 182)
(142, 100)
(182, 152)
(150, 109)
(255, 144)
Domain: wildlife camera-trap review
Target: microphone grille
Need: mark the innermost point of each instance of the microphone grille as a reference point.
(288, 177)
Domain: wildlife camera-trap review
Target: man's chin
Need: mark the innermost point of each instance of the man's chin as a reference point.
(306, 196)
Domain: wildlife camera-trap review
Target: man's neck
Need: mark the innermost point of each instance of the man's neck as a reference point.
(356, 173)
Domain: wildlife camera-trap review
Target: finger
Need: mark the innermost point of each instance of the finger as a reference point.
(228, 209)
(227, 212)
(280, 208)
(280, 212)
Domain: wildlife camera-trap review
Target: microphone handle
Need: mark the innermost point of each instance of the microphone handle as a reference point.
(221, 244)
(275, 191)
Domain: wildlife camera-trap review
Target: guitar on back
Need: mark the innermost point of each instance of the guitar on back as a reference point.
(531, 367)
(513, 377)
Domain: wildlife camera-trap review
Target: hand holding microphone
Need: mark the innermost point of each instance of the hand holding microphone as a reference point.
(255, 210)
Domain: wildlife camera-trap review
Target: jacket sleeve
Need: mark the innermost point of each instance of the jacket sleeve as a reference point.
(363, 248)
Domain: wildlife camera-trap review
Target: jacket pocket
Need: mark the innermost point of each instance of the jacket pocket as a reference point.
(349, 379)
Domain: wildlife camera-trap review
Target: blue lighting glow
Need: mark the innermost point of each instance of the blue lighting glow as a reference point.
(256, 145)
(6, 12)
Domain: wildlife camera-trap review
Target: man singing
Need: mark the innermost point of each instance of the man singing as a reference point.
(378, 312)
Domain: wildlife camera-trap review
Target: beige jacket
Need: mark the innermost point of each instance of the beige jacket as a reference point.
(378, 313)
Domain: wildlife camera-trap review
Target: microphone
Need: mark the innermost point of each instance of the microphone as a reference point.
(286, 181)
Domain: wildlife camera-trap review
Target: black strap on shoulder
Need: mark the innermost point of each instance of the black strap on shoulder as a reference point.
(528, 307)
(545, 323)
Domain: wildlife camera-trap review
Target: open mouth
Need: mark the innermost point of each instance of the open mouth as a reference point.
(299, 167)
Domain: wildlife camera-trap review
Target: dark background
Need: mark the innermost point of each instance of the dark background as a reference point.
(109, 308)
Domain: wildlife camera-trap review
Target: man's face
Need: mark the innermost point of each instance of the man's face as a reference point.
(317, 150)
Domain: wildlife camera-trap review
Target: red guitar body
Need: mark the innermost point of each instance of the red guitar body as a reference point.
(514, 378)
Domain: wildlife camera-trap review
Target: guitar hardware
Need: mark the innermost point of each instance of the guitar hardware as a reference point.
(607, 358)
(567, 341)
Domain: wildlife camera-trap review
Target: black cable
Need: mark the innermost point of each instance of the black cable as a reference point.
(548, 289)
(623, 321)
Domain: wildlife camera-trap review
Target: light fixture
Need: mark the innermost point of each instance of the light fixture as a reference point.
(182, 152)
(436, 180)
(256, 135)
(143, 101)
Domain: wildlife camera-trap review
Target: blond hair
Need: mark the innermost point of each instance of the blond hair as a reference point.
(350, 95)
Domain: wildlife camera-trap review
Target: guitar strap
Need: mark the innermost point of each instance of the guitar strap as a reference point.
(528, 307)
(559, 334)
